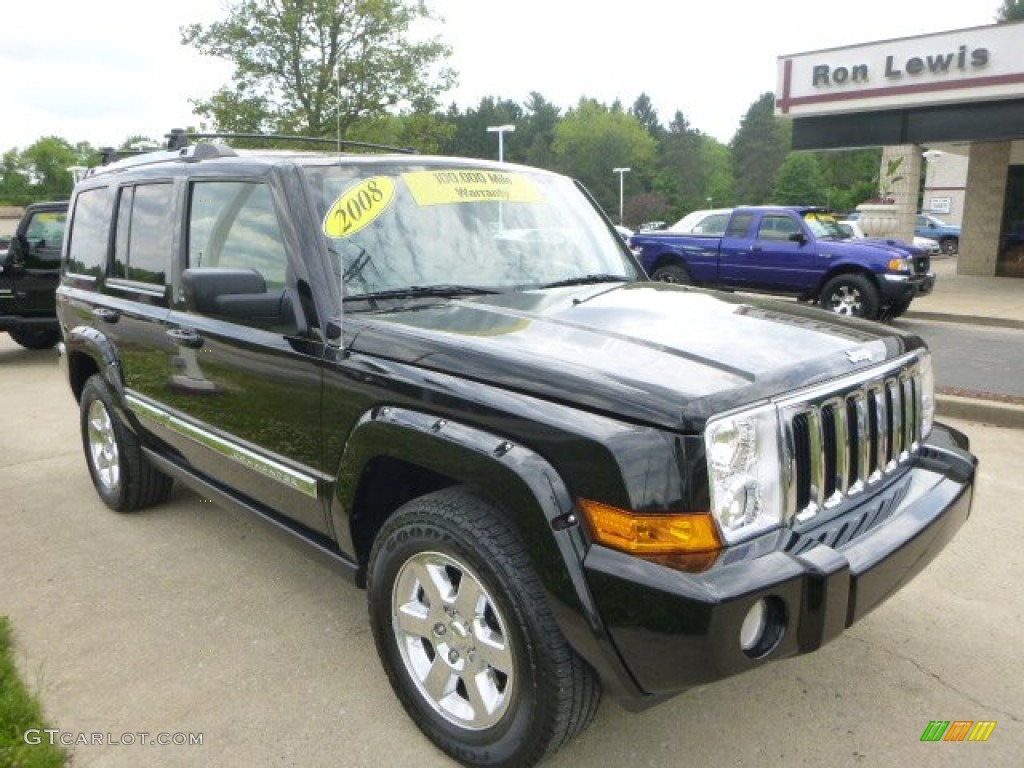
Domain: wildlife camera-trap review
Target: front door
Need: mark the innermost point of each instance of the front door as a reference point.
(243, 384)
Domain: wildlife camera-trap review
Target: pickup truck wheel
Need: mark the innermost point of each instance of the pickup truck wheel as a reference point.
(949, 246)
(852, 295)
(466, 637)
(35, 338)
(123, 477)
(672, 274)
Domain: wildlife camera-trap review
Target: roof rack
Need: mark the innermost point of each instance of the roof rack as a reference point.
(178, 139)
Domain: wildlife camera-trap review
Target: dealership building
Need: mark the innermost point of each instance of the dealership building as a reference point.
(948, 111)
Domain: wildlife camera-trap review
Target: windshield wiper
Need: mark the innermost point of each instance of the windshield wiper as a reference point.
(587, 280)
(415, 291)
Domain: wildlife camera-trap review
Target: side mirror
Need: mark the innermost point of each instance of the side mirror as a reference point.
(798, 237)
(236, 294)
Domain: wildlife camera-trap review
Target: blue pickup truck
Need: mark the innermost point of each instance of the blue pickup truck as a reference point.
(793, 251)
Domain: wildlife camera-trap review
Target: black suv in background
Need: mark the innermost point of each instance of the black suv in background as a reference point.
(450, 376)
(29, 272)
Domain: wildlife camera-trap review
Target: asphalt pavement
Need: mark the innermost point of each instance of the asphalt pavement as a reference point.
(196, 623)
(193, 622)
(980, 361)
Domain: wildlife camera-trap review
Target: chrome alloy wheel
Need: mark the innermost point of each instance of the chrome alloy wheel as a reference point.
(846, 300)
(453, 640)
(103, 446)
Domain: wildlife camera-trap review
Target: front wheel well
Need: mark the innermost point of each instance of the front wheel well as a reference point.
(385, 485)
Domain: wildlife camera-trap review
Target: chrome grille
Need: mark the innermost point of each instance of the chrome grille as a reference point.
(839, 440)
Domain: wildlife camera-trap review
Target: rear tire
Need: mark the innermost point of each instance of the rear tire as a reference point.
(851, 295)
(673, 273)
(467, 639)
(34, 338)
(950, 246)
(123, 477)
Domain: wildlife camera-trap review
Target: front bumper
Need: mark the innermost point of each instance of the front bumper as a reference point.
(675, 630)
(21, 322)
(897, 288)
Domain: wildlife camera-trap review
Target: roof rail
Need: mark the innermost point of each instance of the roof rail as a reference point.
(178, 139)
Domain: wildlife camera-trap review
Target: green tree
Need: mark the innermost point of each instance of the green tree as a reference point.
(592, 139)
(758, 149)
(15, 185)
(423, 129)
(1010, 10)
(799, 181)
(317, 66)
(721, 185)
(472, 139)
(644, 111)
(684, 173)
(538, 138)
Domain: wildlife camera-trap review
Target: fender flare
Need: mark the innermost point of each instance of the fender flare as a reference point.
(86, 341)
(524, 483)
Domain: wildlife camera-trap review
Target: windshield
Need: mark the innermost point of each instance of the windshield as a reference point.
(431, 230)
(824, 225)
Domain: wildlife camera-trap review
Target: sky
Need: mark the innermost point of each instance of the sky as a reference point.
(104, 70)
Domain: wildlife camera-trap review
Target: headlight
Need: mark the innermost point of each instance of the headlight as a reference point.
(743, 473)
(927, 395)
(899, 265)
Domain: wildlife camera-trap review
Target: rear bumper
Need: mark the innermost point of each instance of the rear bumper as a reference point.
(675, 630)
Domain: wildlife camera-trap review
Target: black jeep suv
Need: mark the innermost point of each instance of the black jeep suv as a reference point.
(29, 272)
(451, 377)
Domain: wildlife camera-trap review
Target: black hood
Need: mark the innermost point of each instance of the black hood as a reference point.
(647, 352)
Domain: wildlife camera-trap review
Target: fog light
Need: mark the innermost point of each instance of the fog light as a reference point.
(754, 624)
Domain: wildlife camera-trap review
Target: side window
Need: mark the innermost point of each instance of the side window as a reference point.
(232, 224)
(90, 227)
(45, 235)
(777, 228)
(142, 249)
(739, 225)
(237, 262)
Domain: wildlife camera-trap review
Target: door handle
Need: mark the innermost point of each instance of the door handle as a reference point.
(185, 337)
(106, 315)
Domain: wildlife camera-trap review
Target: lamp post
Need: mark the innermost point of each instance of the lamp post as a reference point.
(622, 174)
(501, 130)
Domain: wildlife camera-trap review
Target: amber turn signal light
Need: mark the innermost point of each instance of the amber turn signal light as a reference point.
(650, 534)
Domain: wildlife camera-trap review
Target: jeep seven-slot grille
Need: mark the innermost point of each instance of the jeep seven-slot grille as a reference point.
(840, 442)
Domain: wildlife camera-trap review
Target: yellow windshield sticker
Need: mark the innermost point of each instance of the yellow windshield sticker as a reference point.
(359, 206)
(825, 217)
(459, 185)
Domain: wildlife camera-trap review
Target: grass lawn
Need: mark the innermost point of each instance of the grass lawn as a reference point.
(19, 712)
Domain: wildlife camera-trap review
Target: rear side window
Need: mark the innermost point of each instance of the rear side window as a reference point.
(739, 225)
(142, 249)
(90, 230)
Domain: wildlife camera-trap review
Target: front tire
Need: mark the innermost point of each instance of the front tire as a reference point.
(897, 309)
(851, 295)
(465, 635)
(122, 475)
(35, 338)
(672, 273)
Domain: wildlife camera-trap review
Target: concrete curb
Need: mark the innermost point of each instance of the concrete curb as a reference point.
(985, 411)
(948, 317)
